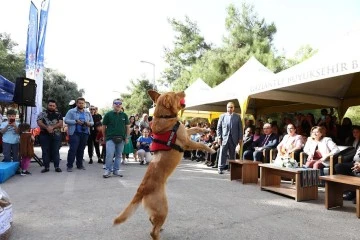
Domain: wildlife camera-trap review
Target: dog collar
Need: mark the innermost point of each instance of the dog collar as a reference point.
(167, 116)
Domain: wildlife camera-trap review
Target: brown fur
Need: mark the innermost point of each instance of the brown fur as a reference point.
(152, 188)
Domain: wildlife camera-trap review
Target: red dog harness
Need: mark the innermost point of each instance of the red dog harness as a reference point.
(166, 141)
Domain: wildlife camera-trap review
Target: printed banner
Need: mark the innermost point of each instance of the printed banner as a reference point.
(33, 112)
(31, 47)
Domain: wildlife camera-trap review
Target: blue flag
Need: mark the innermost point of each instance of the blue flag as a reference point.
(30, 61)
(42, 33)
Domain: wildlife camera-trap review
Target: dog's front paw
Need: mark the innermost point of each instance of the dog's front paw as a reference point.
(212, 151)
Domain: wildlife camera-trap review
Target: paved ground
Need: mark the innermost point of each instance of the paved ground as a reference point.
(203, 205)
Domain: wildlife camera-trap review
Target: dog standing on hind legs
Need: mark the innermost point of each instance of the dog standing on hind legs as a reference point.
(170, 140)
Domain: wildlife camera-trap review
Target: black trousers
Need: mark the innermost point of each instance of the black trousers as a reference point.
(344, 168)
(91, 143)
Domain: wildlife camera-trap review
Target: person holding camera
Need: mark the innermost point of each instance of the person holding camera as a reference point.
(116, 131)
(143, 144)
(10, 138)
(79, 121)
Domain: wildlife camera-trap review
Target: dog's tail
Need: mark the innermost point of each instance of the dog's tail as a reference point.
(130, 209)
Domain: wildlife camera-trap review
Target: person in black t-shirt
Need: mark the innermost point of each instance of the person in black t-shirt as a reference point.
(50, 122)
(91, 143)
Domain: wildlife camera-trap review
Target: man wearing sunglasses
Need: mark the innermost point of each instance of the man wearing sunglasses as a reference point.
(116, 130)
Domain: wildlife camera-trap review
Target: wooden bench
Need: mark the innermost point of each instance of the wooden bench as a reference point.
(246, 170)
(335, 185)
(270, 180)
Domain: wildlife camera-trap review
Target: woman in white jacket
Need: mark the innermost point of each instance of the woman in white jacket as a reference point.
(319, 148)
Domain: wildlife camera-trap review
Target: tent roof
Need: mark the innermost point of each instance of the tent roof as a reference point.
(229, 90)
(328, 79)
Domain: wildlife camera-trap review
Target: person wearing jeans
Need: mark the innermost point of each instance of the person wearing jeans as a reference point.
(79, 121)
(10, 137)
(116, 131)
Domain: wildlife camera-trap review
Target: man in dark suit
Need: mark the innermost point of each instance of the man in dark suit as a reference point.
(351, 162)
(266, 141)
(230, 133)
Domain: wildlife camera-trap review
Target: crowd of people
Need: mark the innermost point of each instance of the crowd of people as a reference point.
(113, 137)
(116, 135)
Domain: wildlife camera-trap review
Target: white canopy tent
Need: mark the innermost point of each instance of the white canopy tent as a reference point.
(234, 89)
(194, 92)
(329, 78)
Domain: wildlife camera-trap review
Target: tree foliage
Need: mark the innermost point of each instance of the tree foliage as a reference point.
(189, 46)
(57, 87)
(138, 101)
(247, 35)
(303, 53)
(12, 64)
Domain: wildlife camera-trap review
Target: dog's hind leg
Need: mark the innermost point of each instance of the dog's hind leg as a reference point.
(157, 208)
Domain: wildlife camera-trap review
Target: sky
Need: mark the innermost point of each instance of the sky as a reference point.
(100, 44)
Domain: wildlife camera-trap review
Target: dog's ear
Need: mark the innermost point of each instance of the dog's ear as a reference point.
(181, 95)
(153, 95)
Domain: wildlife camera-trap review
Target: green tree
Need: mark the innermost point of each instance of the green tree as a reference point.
(303, 53)
(189, 46)
(248, 35)
(57, 87)
(354, 114)
(12, 64)
(138, 100)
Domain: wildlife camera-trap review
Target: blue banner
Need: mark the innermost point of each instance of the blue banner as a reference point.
(32, 34)
(6, 90)
(42, 33)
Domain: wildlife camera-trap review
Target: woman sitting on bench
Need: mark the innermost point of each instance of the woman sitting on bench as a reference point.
(319, 148)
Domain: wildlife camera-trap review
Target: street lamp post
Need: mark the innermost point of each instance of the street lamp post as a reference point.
(153, 64)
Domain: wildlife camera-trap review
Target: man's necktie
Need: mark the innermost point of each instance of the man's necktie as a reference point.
(265, 140)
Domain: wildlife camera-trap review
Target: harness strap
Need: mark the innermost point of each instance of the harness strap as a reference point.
(169, 142)
(172, 145)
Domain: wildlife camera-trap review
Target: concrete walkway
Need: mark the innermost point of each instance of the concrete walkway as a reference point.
(202, 205)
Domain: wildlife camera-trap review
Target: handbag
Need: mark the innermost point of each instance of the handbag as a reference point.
(117, 139)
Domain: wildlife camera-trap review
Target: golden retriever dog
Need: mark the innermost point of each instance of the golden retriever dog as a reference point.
(151, 191)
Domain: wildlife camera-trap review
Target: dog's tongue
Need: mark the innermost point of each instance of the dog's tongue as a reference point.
(182, 101)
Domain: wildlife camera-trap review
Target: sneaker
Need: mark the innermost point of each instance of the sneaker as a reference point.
(58, 169)
(81, 168)
(22, 173)
(100, 161)
(117, 173)
(69, 169)
(45, 170)
(142, 163)
(27, 172)
(91, 161)
(107, 174)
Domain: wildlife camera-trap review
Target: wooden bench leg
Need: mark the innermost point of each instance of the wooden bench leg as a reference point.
(333, 195)
(235, 171)
(249, 173)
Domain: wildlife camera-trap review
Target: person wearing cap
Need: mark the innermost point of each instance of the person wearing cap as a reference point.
(116, 131)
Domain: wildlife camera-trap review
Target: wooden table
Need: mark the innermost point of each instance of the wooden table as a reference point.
(335, 186)
(270, 179)
(246, 170)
